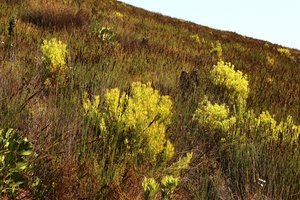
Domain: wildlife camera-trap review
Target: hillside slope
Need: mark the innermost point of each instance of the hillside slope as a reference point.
(110, 45)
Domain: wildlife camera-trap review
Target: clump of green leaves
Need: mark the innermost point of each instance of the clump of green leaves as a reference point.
(105, 34)
(150, 187)
(54, 54)
(197, 39)
(14, 152)
(232, 82)
(168, 186)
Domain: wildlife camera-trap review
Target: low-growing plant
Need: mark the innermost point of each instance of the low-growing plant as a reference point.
(150, 187)
(197, 39)
(286, 53)
(233, 84)
(105, 34)
(14, 152)
(132, 128)
(270, 61)
(54, 54)
(214, 116)
(168, 186)
(217, 50)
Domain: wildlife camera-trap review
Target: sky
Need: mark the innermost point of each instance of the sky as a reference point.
(277, 21)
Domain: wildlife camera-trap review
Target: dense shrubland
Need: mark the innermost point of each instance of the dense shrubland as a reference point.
(107, 101)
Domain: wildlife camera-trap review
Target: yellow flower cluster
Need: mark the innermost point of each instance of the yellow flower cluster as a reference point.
(270, 61)
(140, 118)
(217, 49)
(150, 187)
(285, 52)
(214, 116)
(224, 75)
(197, 39)
(54, 54)
(285, 130)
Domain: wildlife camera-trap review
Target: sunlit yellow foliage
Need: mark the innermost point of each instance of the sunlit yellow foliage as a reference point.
(91, 108)
(285, 52)
(140, 118)
(225, 76)
(213, 116)
(119, 15)
(54, 54)
(150, 187)
(217, 49)
(270, 61)
(285, 130)
(168, 185)
(197, 39)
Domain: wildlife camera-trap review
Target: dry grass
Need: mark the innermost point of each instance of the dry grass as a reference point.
(55, 15)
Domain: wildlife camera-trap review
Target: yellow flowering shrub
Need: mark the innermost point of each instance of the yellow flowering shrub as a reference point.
(119, 15)
(168, 186)
(213, 116)
(54, 54)
(217, 49)
(137, 120)
(270, 61)
(150, 187)
(285, 52)
(197, 39)
(234, 82)
(285, 131)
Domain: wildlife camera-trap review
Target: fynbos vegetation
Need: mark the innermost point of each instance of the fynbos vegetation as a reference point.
(101, 100)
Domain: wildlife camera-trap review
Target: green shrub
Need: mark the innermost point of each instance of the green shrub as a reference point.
(14, 151)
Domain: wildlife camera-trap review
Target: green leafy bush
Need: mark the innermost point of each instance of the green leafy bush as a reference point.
(14, 151)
